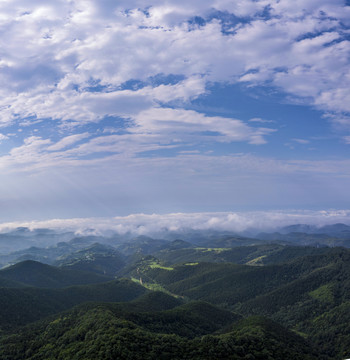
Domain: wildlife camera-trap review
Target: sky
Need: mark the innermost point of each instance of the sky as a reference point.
(112, 108)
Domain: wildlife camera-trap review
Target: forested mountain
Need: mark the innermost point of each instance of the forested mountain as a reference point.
(298, 294)
(25, 305)
(98, 258)
(33, 273)
(110, 331)
(177, 299)
(250, 255)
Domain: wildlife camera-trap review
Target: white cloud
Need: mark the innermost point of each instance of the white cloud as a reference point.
(177, 130)
(3, 137)
(66, 45)
(67, 141)
(259, 120)
(157, 224)
(189, 125)
(152, 129)
(302, 141)
(347, 139)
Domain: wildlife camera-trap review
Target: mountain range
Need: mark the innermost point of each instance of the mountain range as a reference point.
(229, 296)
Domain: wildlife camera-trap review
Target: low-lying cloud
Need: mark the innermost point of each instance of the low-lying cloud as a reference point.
(160, 224)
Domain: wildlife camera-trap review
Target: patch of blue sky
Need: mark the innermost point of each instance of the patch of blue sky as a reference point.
(315, 34)
(271, 109)
(7, 144)
(97, 88)
(106, 126)
(162, 79)
(165, 152)
(344, 35)
(96, 155)
(26, 76)
(23, 127)
(111, 123)
(94, 85)
(156, 80)
(227, 20)
(53, 130)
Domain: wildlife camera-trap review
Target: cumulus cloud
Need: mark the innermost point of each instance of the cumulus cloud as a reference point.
(48, 69)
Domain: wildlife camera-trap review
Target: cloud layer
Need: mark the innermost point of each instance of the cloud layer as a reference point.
(158, 225)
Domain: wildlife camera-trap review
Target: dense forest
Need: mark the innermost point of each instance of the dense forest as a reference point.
(157, 299)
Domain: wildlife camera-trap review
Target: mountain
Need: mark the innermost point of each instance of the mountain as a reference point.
(331, 230)
(299, 228)
(228, 241)
(304, 239)
(33, 273)
(25, 305)
(97, 258)
(142, 244)
(109, 331)
(307, 294)
(216, 299)
(63, 253)
(302, 234)
(250, 254)
(46, 255)
(341, 230)
(22, 237)
(178, 244)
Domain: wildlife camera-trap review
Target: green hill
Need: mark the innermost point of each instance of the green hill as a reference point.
(228, 242)
(107, 331)
(142, 244)
(228, 284)
(10, 283)
(300, 294)
(25, 305)
(251, 255)
(222, 284)
(304, 294)
(33, 273)
(97, 258)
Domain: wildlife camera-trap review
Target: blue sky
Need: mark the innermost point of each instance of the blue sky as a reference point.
(115, 108)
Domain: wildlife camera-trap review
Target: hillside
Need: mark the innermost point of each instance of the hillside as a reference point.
(250, 254)
(107, 331)
(25, 305)
(206, 304)
(33, 273)
(307, 294)
(97, 258)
